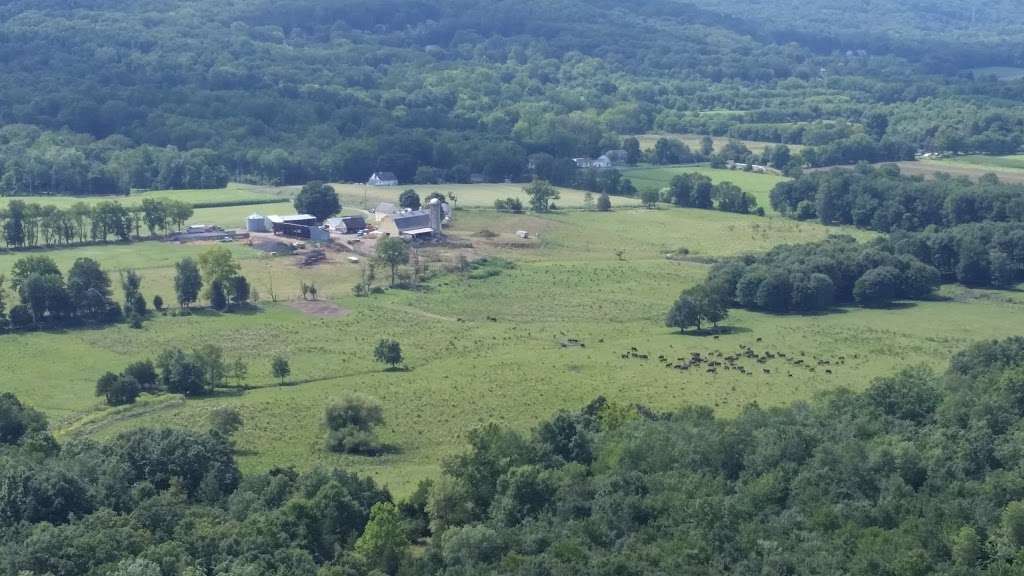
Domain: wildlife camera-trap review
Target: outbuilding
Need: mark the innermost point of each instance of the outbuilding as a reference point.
(256, 223)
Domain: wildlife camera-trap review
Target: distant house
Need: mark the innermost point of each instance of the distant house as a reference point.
(599, 163)
(383, 179)
(477, 178)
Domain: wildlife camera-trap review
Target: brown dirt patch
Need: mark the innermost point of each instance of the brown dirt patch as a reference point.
(321, 308)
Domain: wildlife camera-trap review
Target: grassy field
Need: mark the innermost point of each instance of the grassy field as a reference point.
(469, 195)
(233, 193)
(647, 142)
(1005, 73)
(1007, 168)
(760, 185)
(482, 350)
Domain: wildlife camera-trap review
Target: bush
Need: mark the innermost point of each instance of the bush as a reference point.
(877, 287)
(350, 424)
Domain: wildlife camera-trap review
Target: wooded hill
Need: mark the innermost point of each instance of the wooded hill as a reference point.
(93, 93)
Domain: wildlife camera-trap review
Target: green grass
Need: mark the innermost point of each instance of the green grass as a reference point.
(760, 185)
(647, 142)
(570, 281)
(1013, 162)
(233, 193)
(469, 195)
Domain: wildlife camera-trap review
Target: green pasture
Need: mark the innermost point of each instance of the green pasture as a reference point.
(647, 141)
(760, 185)
(482, 350)
(468, 195)
(235, 193)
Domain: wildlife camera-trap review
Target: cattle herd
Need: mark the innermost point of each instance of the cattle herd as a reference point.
(746, 360)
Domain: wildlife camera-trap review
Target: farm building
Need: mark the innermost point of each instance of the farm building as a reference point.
(257, 223)
(346, 225)
(420, 224)
(383, 179)
(298, 226)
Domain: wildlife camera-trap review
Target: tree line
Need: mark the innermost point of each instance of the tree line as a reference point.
(808, 278)
(446, 90)
(30, 225)
(881, 198)
(913, 475)
(49, 299)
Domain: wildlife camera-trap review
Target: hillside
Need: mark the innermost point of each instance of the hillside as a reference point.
(94, 92)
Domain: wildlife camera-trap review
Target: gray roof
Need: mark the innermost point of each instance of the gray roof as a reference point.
(412, 220)
(385, 175)
(291, 218)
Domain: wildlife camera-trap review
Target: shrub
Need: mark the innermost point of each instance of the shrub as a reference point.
(350, 424)
(877, 287)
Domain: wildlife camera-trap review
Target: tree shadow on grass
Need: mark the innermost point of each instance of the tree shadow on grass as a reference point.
(719, 331)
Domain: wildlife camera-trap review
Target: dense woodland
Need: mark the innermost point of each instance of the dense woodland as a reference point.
(110, 95)
(919, 474)
(880, 198)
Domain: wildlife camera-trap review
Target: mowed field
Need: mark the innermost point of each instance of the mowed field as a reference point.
(760, 185)
(647, 142)
(233, 193)
(486, 350)
(467, 195)
(1007, 168)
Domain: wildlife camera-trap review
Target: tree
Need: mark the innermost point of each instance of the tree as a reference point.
(238, 370)
(350, 424)
(239, 290)
(225, 421)
(972, 267)
(876, 287)
(29, 265)
(409, 199)
(18, 420)
(187, 282)
(385, 539)
(218, 300)
(158, 303)
(131, 283)
(388, 351)
(118, 390)
(3, 303)
(394, 252)
(650, 198)
(774, 293)
(144, 373)
(318, 199)
(685, 312)
(632, 147)
(89, 289)
(280, 368)
(604, 202)
(541, 194)
(217, 264)
(181, 373)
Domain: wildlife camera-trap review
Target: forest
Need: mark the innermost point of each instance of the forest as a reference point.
(918, 474)
(114, 95)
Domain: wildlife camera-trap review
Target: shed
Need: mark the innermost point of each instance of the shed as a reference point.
(352, 224)
(256, 223)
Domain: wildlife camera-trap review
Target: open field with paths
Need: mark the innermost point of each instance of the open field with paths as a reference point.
(487, 349)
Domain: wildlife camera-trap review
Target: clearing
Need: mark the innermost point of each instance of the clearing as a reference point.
(484, 347)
